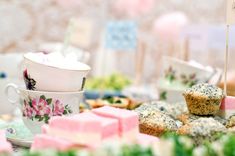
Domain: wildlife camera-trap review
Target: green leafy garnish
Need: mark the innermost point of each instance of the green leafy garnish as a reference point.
(209, 150)
(136, 150)
(229, 146)
(181, 146)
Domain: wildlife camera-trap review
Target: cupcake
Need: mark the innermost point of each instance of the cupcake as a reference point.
(203, 99)
(202, 129)
(186, 118)
(153, 121)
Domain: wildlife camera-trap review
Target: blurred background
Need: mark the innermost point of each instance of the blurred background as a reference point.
(25, 25)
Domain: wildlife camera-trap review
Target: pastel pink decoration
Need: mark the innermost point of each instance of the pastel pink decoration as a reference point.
(75, 123)
(145, 139)
(43, 141)
(128, 120)
(134, 7)
(5, 147)
(227, 107)
(169, 26)
(83, 130)
(228, 103)
(109, 126)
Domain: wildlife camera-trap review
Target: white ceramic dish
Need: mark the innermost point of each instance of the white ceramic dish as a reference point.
(17, 133)
(44, 77)
(182, 70)
(38, 107)
(20, 142)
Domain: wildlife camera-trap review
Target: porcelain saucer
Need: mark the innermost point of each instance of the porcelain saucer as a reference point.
(17, 133)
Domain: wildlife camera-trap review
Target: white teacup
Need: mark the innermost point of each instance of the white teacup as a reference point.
(38, 107)
(47, 73)
(182, 71)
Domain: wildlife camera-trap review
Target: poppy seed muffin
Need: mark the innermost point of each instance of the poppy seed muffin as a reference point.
(186, 118)
(154, 122)
(171, 109)
(202, 129)
(203, 99)
(231, 122)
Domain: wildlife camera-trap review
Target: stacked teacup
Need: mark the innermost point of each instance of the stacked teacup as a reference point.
(53, 87)
(179, 75)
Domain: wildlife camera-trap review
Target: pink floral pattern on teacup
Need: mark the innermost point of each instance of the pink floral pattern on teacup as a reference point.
(28, 111)
(43, 109)
(187, 80)
(58, 108)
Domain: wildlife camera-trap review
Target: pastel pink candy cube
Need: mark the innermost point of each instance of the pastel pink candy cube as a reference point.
(228, 103)
(128, 120)
(42, 141)
(84, 130)
(227, 107)
(109, 125)
(5, 147)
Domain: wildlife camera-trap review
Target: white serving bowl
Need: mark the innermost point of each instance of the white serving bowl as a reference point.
(38, 107)
(202, 74)
(54, 78)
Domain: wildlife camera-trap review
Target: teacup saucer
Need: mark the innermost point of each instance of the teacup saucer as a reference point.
(17, 133)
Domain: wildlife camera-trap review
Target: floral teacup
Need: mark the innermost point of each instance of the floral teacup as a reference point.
(53, 72)
(187, 73)
(38, 107)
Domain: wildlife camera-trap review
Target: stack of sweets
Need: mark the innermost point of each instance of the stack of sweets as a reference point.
(128, 121)
(90, 130)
